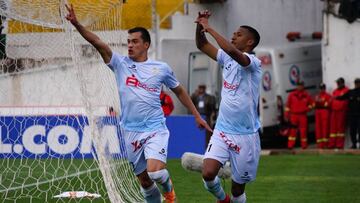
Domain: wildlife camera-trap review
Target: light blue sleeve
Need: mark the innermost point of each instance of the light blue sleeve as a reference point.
(170, 79)
(115, 61)
(221, 57)
(255, 63)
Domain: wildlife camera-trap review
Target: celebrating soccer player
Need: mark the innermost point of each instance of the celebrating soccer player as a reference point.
(139, 81)
(235, 137)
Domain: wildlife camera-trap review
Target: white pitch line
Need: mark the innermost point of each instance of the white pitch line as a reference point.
(44, 182)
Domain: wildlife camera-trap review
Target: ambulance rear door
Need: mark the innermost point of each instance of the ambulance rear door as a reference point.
(268, 102)
(300, 63)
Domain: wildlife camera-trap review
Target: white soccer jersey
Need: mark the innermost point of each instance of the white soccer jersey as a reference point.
(139, 85)
(239, 95)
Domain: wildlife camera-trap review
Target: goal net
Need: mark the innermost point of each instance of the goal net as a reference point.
(59, 106)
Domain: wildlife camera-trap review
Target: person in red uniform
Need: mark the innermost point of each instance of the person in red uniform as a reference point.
(338, 116)
(166, 103)
(299, 102)
(322, 117)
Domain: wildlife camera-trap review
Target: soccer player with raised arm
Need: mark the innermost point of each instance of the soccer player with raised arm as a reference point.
(139, 82)
(235, 137)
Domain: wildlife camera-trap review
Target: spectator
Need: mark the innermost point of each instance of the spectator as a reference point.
(322, 117)
(206, 105)
(167, 104)
(299, 102)
(353, 96)
(338, 116)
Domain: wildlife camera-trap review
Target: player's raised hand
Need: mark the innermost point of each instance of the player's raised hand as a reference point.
(204, 14)
(204, 23)
(71, 15)
(201, 123)
(202, 19)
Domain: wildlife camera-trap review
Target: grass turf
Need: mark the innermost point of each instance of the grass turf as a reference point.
(281, 178)
(285, 178)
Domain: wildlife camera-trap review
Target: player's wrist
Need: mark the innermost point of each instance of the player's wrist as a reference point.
(197, 116)
(76, 24)
(209, 29)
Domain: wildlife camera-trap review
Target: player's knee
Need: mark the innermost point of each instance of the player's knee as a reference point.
(237, 189)
(159, 176)
(146, 183)
(210, 169)
(145, 180)
(208, 174)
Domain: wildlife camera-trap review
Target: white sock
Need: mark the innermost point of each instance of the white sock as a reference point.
(163, 178)
(215, 188)
(151, 194)
(239, 199)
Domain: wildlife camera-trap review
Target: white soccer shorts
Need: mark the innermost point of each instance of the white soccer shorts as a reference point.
(243, 152)
(141, 146)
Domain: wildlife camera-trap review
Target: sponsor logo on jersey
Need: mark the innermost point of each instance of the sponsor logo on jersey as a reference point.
(230, 86)
(228, 67)
(132, 81)
(133, 67)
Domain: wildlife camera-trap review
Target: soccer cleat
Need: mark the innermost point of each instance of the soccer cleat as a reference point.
(226, 200)
(170, 197)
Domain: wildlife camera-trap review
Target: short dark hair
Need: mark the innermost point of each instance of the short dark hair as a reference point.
(145, 35)
(255, 34)
(202, 86)
(340, 80)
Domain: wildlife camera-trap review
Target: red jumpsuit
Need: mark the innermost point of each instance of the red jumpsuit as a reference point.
(337, 119)
(298, 104)
(322, 118)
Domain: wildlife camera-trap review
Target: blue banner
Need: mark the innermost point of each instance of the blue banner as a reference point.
(69, 136)
(185, 136)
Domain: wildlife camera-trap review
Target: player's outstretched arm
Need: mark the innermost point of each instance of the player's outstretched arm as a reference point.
(184, 98)
(225, 45)
(93, 39)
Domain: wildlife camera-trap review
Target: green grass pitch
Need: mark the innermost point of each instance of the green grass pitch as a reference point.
(281, 178)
